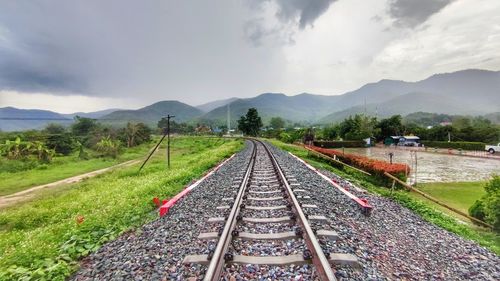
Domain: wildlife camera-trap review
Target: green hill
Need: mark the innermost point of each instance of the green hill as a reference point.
(153, 113)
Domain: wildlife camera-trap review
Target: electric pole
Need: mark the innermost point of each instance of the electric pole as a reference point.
(165, 134)
(168, 139)
(228, 120)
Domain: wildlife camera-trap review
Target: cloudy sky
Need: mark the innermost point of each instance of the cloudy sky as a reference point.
(88, 55)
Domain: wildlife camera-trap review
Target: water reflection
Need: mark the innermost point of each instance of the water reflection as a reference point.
(433, 167)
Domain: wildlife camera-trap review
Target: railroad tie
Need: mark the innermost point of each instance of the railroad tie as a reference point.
(267, 220)
(216, 219)
(330, 234)
(344, 259)
(265, 192)
(208, 235)
(298, 259)
(266, 199)
(317, 218)
(261, 208)
(267, 236)
(311, 206)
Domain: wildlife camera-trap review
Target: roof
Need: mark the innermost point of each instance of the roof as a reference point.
(411, 137)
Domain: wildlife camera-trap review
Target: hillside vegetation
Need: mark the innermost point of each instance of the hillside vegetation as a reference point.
(44, 238)
(448, 93)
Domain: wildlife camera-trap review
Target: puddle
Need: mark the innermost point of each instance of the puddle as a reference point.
(433, 167)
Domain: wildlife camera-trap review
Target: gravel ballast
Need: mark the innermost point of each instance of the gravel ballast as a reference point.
(391, 244)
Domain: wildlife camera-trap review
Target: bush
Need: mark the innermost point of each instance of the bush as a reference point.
(488, 207)
(285, 137)
(477, 210)
(337, 144)
(376, 167)
(108, 147)
(61, 143)
(492, 202)
(455, 145)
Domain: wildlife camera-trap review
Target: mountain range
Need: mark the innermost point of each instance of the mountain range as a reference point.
(466, 92)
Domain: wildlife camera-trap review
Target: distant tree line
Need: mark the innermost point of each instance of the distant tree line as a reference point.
(83, 135)
(359, 127)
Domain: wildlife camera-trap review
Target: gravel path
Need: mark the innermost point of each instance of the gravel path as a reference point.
(391, 244)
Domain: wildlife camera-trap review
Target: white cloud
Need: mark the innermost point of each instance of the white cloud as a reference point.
(332, 57)
(465, 34)
(63, 104)
(192, 52)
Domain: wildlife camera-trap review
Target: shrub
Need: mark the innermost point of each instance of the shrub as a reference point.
(337, 144)
(108, 147)
(492, 202)
(477, 210)
(25, 150)
(455, 145)
(488, 207)
(61, 143)
(285, 137)
(376, 167)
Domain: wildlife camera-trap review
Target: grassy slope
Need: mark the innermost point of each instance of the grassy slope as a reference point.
(460, 195)
(63, 167)
(425, 209)
(42, 238)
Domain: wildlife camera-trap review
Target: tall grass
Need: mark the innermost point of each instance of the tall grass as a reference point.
(43, 239)
(16, 175)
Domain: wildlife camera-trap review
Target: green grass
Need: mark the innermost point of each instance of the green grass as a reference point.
(460, 195)
(61, 168)
(425, 209)
(42, 239)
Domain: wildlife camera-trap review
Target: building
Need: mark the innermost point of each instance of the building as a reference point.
(409, 141)
(402, 140)
(392, 140)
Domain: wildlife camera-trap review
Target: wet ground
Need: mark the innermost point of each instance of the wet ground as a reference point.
(432, 167)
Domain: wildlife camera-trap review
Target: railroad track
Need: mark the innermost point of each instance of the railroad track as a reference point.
(268, 225)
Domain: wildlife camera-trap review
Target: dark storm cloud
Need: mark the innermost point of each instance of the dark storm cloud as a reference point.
(189, 50)
(294, 13)
(307, 11)
(410, 13)
(24, 70)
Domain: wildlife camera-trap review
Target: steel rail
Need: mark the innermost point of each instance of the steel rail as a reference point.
(319, 259)
(217, 262)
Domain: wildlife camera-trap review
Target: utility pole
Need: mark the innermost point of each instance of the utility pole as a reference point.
(165, 134)
(416, 165)
(168, 139)
(228, 120)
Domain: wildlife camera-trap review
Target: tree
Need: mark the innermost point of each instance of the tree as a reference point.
(358, 127)
(392, 126)
(135, 133)
(83, 126)
(330, 132)
(83, 129)
(58, 139)
(277, 123)
(176, 128)
(488, 207)
(251, 123)
(54, 128)
(108, 147)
